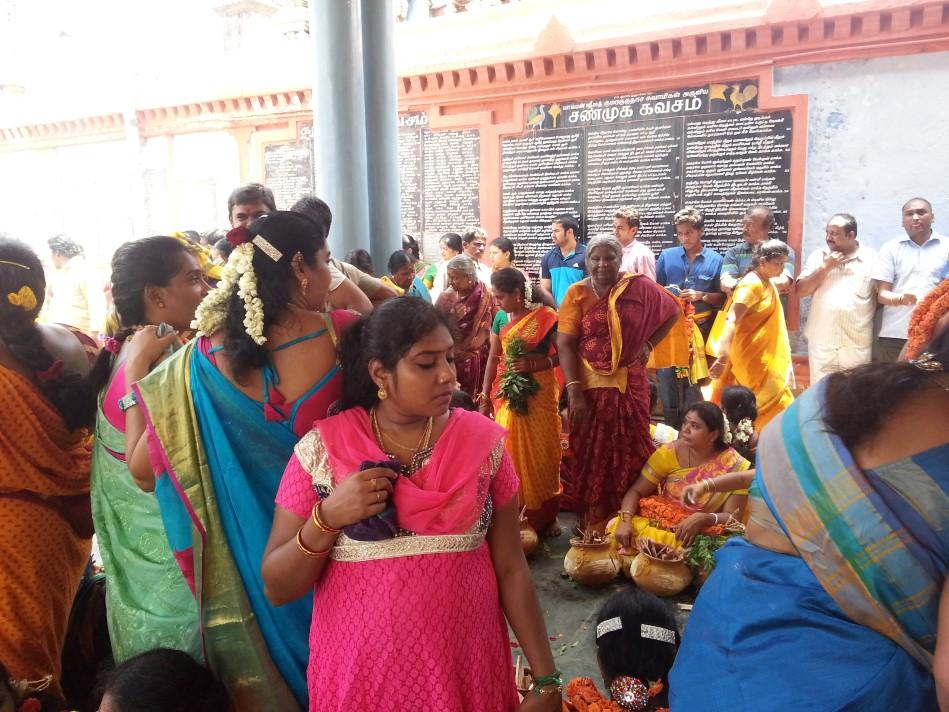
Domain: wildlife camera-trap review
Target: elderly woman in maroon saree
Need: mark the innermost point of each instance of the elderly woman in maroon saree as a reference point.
(608, 325)
(469, 302)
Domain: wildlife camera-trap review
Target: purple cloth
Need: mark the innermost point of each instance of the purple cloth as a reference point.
(379, 526)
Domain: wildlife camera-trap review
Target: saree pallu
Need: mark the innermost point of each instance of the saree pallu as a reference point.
(46, 529)
(219, 464)
(612, 444)
(760, 355)
(533, 439)
(856, 610)
(149, 604)
(683, 348)
(473, 316)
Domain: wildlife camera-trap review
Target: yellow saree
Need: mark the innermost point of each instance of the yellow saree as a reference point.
(760, 355)
(533, 439)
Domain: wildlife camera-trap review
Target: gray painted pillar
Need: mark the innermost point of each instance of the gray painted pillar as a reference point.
(382, 133)
(339, 121)
(356, 124)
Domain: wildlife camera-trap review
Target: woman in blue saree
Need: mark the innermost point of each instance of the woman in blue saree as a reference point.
(833, 600)
(211, 430)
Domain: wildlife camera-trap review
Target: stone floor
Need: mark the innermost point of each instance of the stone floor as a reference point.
(570, 609)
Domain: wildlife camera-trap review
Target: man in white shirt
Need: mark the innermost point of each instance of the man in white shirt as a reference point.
(637, 257)
(839, 326)
(907, 269)
(473, 242)
(76, 292)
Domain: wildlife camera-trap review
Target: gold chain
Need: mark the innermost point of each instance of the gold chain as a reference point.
(381, 437)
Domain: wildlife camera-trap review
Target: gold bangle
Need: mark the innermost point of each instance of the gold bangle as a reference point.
(307, 550)
(320, 522)
(623, 513)
(571, 383)
(707, 485)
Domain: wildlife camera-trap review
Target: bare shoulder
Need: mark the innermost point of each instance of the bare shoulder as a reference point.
(63, 345)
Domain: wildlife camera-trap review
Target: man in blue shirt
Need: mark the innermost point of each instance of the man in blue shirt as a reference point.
(564, 264)
(691, 270)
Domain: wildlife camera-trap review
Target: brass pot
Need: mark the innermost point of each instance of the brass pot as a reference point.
(663, 578)
(592, 563)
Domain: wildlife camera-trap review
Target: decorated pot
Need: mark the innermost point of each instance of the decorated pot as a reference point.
(529, 538)
(592, 563)
(663, 578)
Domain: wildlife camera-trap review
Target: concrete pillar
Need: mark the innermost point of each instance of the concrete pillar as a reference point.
(339, 121)
(382, 133)
(355, 122)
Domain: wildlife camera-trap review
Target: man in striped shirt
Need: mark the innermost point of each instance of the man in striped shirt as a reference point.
(839, 326)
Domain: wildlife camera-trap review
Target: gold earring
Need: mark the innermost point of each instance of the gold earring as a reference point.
(304, 285)
(382, 393)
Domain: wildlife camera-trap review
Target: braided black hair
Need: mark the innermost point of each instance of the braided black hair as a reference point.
(151, 261)
(70, 394)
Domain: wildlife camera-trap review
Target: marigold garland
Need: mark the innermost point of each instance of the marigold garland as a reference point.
(663, 514)
(922, 323)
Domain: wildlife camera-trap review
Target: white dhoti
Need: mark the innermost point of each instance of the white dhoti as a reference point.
(825, 359)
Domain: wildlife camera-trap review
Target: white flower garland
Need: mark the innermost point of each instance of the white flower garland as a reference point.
(744, 430)
(239, 273)
(727, 435)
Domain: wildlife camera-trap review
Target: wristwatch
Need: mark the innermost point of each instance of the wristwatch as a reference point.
(127, 401)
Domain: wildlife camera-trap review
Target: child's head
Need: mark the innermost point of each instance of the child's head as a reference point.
(162, 680)
(636, 637)
(739, 403)
(460, 399)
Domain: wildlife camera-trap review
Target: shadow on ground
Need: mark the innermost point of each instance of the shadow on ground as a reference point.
(570, 609)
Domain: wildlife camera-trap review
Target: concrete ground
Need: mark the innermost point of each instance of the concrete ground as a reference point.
(570, 609)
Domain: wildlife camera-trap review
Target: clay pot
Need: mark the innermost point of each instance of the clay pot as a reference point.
(529, 538)
(592, 563)
(663, 578)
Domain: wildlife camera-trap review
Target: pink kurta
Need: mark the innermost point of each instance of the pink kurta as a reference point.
(423, 631)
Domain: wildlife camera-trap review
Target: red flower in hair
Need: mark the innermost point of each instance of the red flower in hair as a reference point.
(238, 236)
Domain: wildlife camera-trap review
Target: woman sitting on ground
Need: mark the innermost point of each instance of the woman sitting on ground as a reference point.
(636, 643)
(846, 550)
(402, 514)
(701, 452)
(401, 278)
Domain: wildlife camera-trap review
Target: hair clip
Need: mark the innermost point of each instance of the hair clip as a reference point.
(608, 626)
(25, 299)
(654, 632)
(14, 264)
(268, 249)
(927, 362)
(630, 692)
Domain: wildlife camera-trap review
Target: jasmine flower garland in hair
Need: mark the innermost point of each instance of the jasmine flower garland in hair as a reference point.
(237, 273)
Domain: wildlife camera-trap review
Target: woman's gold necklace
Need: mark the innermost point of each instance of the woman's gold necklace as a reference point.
(593, 287)
(382, 438)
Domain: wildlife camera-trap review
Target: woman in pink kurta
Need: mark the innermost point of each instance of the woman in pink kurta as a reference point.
(412, 599)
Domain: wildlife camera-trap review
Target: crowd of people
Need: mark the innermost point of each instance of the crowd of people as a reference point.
(308, 483)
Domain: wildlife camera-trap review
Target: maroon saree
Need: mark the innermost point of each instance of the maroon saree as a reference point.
(612, 444)
(472, 315)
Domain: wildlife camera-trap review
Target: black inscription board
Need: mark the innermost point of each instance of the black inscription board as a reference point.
(289, 167)
(440, 176)
(707, 147)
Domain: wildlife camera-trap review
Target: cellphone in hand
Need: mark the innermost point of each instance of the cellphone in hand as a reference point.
(163, 330)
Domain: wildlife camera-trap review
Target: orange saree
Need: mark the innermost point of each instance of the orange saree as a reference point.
(45, 528)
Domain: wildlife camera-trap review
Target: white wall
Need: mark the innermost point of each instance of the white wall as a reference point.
(877, 136)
